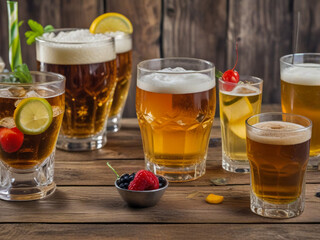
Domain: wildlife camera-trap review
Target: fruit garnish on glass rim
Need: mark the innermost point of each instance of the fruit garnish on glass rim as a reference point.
(231, 76)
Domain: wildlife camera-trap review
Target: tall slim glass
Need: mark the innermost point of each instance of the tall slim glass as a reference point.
(300, 93)
(30, 119)
(238, 101)
(123, 42)
(89, 63)
(278, 147)
(175, 103)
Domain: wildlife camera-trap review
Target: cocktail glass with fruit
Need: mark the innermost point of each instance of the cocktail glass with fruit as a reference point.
(238, 101)
(30, 119)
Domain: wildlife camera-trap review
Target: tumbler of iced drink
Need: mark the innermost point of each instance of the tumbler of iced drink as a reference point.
(238, 101)
(30, 119)
(88, 61)
(175, 103)
(300, 94)
(278, 147)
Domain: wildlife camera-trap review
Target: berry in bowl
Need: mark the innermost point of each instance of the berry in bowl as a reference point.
(141, 189)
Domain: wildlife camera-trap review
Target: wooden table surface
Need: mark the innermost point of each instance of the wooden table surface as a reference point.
(86, 204)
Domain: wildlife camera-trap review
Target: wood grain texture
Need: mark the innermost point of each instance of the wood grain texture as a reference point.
(264, 30)
(104, 205)
(161, 231)
(96, 173)
(145, 16)
(195, 29)
(309, 30)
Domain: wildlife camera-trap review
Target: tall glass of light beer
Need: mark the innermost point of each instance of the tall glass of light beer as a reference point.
(278, 147)
(123, 42)
(175, 104)
(238, 101)
(88, 61)
(300, 93)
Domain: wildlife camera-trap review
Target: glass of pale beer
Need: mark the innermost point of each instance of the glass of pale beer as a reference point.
(175, 104)
(88, 61)
(238, 101)
(300, 93)
(30, 119)
(278, 147)
(123, 42)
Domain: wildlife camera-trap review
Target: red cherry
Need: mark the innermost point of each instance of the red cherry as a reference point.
(231, 76)
(11, 139)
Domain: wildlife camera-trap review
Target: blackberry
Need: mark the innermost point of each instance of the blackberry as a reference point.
(162, 181)
(125, 180)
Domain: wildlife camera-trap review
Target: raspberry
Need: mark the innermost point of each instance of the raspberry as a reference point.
(11, 139)
(144, 180)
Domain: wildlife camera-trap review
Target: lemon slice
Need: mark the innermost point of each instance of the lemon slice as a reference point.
(241, 109)
(33, 115)
(111, 22)
(239, 128)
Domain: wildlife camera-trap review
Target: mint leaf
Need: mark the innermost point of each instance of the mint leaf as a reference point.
(36, 31)
(20, 23)
(219, 74)
(48, 28)
(22, 73)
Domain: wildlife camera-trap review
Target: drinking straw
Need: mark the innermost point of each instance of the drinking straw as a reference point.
(15, 58)
(295, 50)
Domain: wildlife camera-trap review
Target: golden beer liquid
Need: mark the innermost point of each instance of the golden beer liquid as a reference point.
(175, 127)
(234, 110)
(278, 169)
(89, 92)
(35, 148)
(124, 65)
(304, 100)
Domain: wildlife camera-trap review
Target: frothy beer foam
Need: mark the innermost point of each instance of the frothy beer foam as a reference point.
(302, 74)
(75, 47)
(278, 133)
(176, 81)
(123, 41)
(243, 90)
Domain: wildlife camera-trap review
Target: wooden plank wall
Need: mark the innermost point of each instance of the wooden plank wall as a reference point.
(194, 28)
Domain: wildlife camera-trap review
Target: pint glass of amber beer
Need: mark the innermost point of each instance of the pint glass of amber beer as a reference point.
(175, 104)
(278, 147)
(30, 119)
(123, 42)
(300, 93)
(88, 61)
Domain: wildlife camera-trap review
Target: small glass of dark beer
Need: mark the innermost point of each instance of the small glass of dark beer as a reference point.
(278, 147)
(88, 61)
(175, 104)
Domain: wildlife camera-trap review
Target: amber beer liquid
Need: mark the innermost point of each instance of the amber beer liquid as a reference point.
(123, 43)
(278, 147)
(35, 148)
(300, 94)
(175, 122)
(89, 64)
(277, 162)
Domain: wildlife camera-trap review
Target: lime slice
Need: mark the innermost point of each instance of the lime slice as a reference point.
(111, 22)
(33, 115)
(240, 109)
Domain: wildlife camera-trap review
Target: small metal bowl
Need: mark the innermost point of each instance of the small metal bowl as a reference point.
(141, 199)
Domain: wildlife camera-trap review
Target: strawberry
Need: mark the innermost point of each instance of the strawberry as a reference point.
(144, 180)
(11, 139)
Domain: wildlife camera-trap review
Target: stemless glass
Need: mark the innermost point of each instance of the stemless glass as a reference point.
(30, 119)
(175, 104)
(300, 94)
(238, 101)
(123, 42)
(89, 63)
(278, 147)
